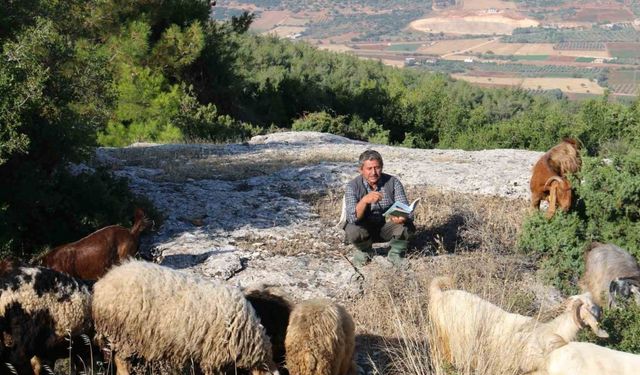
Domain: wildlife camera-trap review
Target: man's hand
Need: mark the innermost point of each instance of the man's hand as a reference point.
(398, 219)
(372, 197)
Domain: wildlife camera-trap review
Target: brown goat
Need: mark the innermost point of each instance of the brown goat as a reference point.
(91, 257)
(549, 177)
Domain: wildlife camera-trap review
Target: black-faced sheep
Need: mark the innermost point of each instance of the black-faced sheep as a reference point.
(320, 339)
(156, 313)
(273, 309)
(40, 309)
(589, 359)
(609, 271)
(476, 335)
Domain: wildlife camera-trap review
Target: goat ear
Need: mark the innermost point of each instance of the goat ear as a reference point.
(589, 320)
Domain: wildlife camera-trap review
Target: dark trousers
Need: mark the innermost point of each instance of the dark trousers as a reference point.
(379, 231)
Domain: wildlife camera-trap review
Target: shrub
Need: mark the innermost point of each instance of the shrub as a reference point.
(204, 123)
(369, 131)
(63, 209)
(623, 326)
(558, 244)
(607, 210)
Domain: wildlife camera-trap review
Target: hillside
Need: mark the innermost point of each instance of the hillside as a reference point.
(265, 211)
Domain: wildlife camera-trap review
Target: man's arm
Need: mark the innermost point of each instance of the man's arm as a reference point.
(350, 200)
(355, 207)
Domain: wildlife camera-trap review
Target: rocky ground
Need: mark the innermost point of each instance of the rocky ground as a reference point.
(247, 213)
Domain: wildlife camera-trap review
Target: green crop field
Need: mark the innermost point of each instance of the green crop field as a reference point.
(531, 57)
(408, 47)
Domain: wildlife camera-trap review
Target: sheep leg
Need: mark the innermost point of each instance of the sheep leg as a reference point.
(122, 366)
(36, 365)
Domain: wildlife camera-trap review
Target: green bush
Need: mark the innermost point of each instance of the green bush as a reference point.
(623, 326)
(607, 210)
(358, 129)
(204, 123)
(558, 243)
(62, 209)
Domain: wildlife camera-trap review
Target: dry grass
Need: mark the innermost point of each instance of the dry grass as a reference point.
(394, 331)
(393, 328)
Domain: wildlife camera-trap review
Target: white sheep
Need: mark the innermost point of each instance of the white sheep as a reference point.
(476, 335)
(590, 359)
(610, 270)
(320, 339)
(40, 310)
(158, 313)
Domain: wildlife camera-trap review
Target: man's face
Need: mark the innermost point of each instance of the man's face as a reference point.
(371, 171)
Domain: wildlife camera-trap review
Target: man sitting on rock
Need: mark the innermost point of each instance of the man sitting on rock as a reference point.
(367, 197)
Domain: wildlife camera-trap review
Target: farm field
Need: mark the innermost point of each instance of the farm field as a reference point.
(569, 85)
(515, 41)
(624, 50)
(286, 31)
(505, 49)
(625, 82)
(486, 4)
(481, 24)
(270, 19)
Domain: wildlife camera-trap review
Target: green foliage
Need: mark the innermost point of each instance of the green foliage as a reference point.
(146, 106)
(323, 122)
(623, 326)
(178, 48)
(62, 208)
(559, 244)
(611, 192)
(204, 123)
(56, 95)
(356, 128)
(607, 210)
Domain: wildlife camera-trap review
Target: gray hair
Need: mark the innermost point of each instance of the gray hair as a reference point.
(370, 155)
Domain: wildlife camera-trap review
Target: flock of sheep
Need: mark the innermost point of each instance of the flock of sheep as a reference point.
(473, 334)
(141, 310)
(89, 292)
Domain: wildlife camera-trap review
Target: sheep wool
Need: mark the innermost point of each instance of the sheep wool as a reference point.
(39, 310)
(320, 339)
(476, 335)
(158, 313)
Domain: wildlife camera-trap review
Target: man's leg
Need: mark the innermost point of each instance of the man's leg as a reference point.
(360, 237)
(398, 236)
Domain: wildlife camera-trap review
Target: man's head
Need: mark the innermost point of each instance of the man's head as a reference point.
(371, 166)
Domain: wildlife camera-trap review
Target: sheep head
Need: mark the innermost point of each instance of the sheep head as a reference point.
(587, 314)
(625, 287)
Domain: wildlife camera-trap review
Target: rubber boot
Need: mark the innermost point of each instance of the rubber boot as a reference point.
(397, 252)
(361, 255)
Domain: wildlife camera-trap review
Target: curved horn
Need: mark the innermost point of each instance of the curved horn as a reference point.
(576, 305)
(551, 179)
